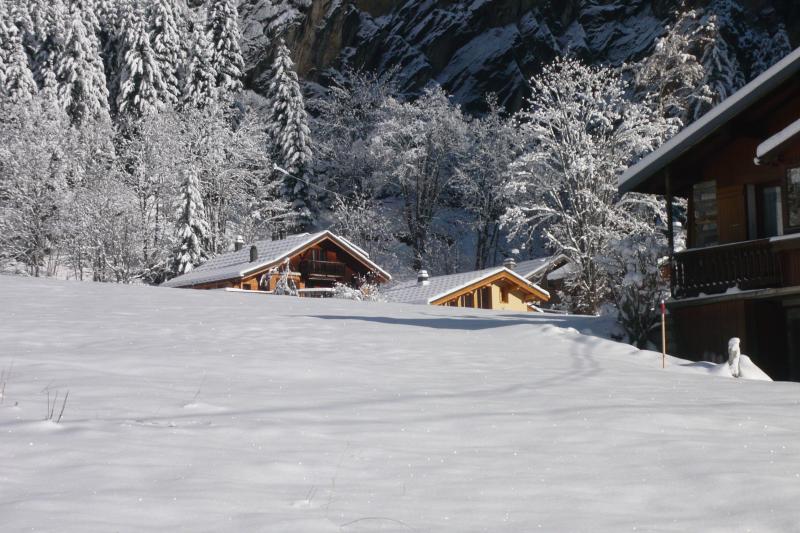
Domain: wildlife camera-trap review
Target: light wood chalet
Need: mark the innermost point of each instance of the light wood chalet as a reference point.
(314, 262)
(492, 288)
(739, 276)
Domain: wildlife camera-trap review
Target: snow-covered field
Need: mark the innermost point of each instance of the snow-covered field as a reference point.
(215, 411)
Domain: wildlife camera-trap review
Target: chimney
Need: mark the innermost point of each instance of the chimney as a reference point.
(238, 244)
(510, 263)
(253, 254)
(422, 277)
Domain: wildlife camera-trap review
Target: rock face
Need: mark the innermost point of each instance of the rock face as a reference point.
(469, 47)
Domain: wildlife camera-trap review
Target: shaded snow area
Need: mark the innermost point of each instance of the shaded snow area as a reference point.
(219, 411)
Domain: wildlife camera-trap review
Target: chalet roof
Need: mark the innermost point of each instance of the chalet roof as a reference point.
(237, 264)
(778, 141)
(532, 267)
(709, 123)
(438, 286)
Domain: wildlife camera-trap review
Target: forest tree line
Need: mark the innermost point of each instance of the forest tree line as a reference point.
(129, 151)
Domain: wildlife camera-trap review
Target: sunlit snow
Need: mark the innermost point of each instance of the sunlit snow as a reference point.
(220, 411)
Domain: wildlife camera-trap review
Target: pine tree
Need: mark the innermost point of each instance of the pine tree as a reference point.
(47, 44)
(222, 26)
(142, 90)
(199, 88)
(191, 225)
(112, 15)
(82, 90)
(166, 40)
(288, 130)
(16, 78)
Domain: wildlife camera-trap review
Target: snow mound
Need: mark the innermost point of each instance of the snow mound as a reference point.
(749, 370)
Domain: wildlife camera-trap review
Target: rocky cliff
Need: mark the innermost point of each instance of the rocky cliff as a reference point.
(476, 46)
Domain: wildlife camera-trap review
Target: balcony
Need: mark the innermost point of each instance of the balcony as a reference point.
(757, 264)
(322, 269)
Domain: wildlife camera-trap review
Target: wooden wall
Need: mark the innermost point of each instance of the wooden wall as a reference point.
(701, 332)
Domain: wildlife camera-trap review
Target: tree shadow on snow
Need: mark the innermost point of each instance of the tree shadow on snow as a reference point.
(467, 323)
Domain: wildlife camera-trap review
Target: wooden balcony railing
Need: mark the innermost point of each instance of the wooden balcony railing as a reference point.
(756, 264)
(328, 269)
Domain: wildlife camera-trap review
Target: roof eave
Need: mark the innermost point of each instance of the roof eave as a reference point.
(637, 177)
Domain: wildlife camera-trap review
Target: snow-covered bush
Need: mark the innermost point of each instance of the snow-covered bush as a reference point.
(366, 291)
(634, 263)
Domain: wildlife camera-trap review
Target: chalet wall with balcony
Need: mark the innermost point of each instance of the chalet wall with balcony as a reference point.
(318, 267)
(738, 167)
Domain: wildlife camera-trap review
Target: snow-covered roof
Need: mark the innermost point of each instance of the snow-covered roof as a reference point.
(413, 292)
(709, 123)
(532, 267)
(562, 272)
(237, 264)
(779, 140)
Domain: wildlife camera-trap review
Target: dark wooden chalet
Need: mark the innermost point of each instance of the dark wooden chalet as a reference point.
(314, 262)
(739, 276)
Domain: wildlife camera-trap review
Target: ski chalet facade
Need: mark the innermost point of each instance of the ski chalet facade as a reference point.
(499, 288)
(739, 276)
(313, 262)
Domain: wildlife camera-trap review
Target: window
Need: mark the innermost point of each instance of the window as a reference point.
(793, 197)
(764, 211)
(771, 212)
(504, 294)
(704, 214)
(247, 287)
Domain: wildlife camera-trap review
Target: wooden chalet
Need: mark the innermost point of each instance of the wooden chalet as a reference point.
(739, 276)
(491, 288)
(314, 262)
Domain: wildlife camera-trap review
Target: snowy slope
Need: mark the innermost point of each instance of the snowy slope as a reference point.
(215, 411)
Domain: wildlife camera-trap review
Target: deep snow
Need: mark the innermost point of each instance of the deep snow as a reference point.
(210, 411)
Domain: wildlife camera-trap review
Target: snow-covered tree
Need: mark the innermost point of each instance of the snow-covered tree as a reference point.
(672, 77)
(191, 225)
(16, 78)
(34, 159)
(581, 131)
(82, 90)
(362, 220)
(200, 85)
(222, 26)
(47, 44)
(287, 127)
(344, 120)
(285, 285)
(166, 40)
(482, 178)
(142, 89)
(419, 146)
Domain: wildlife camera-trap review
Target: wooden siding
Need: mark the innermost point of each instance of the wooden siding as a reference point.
(519, 295)
(354, 270)
(701, 332)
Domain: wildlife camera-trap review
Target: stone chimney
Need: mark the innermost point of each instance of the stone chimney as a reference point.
(510, 263)
(422, 277)
(253, 254)
(238, 244)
